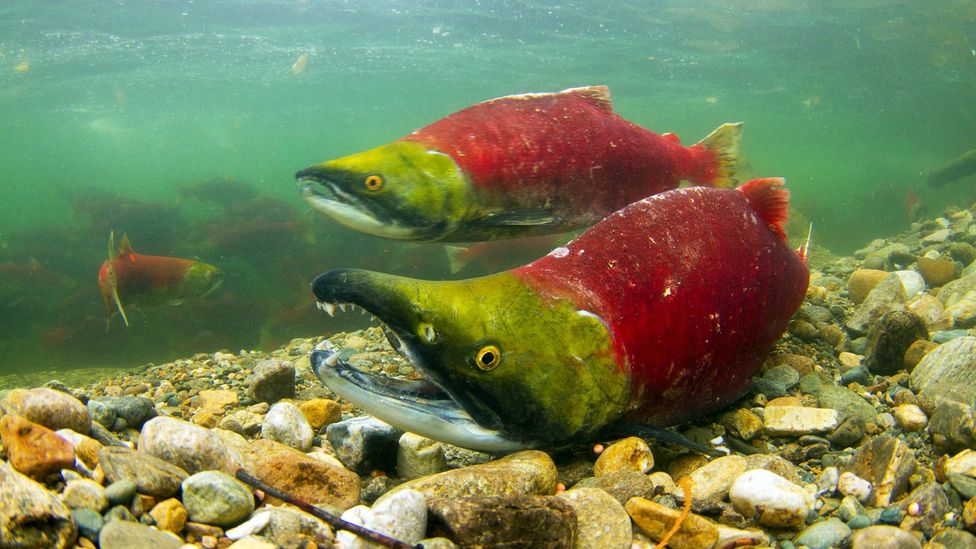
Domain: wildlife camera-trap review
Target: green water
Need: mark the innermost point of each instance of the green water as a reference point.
(110, 108)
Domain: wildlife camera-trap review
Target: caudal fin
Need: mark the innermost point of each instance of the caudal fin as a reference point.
(770, 201)
(724, 143)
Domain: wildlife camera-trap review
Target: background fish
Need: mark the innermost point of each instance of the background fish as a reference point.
(518, 165)
(658, 314)
(148, 280)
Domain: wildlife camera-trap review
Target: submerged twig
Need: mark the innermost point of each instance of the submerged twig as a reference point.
(335, 522)
(685, 484)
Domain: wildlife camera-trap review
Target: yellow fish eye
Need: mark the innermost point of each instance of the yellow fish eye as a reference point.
(373, 182)
(488, 357)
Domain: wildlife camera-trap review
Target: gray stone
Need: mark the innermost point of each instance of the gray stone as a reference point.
(952, 538)
(122, 491)
(824, 534)
(932, 506)
(402, 516)
(120, 534)
(286, 424)
(849, 508)
(601, 521)
(242, 422)
(188, 446)
(858, 374)
(798, 420)
(889, 295)
(947, 373)
(965, 485)
(711, 483)
(133, 411)
(516, 521)
(959, 297)
(215, 498)
(890, 338)
(364, 443)
(887, 463)
(30, 516)
(152, 476)
(120, 512)
(884, 537)
(52, 409)
(89, 522)
(953, 426)
(815, 313)
(846, 402)
(622, 485)
(272, 381)
(85, 494)
(286, 522)
(419, 456)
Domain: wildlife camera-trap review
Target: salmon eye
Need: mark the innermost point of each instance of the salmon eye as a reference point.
(488, 357)
(373, 182)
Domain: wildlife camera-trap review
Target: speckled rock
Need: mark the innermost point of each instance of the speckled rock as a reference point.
(846, 402)
(285, 523)
(888, 295)
(216, 498)
(286, 424)
(33, 449)
(890, 338)
(120, 534)
(629, 454)
(884, 537)
(120, 492)
(742, 423)
(887, 463)
(309, 479)
(272, 381)
(89, 523)
(601, 521)
(52, 409)
(86, 448)
(952, 538)
(931, 311)
(121, 413)
(85, 493)
(851, 485)
(932, 506)
(948, 372)
(529, 472)
(959, 297)
(188, 446)
(798, 420)
(151, 475)
(624, 485)
(862, 281)
(823, 534)
(364, 443)
(770, 498)
(711, 483)
(321, 412)
(910, 417)
(655, 520)
(402, 516)
(31, 516)
(419, 456)
(169, 515)
(953, 426)
(242, 422)
(497, 521)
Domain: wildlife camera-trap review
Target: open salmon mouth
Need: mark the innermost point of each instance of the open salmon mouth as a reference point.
(327, 193)
(428, 406)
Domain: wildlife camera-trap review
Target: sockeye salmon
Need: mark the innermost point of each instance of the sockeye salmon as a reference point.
(513, 166)
(657, 315)
(148, 280)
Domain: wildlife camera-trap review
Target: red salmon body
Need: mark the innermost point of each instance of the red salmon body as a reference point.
(695, 285)
(568, 151)
(139, 274)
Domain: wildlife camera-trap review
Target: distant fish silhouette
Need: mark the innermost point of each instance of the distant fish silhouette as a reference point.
(957, 169)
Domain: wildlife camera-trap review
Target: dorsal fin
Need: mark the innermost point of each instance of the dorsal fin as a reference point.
(770, 201)
(125, 248)
(598, 96)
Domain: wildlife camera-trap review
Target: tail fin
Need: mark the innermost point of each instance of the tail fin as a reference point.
(113, 280)
(770, 201)
(724, 143)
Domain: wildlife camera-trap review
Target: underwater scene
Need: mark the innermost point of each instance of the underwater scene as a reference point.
(644, 273)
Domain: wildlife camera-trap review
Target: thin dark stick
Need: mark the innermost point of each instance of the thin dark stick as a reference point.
(332, 520)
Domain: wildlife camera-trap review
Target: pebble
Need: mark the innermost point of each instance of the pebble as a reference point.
(307, 478)
(948, 372)
(798, 420)
(272, 381)
(286, 424)
(169, 515)
(89, 522)
(862, 281)
(252, 543)
(528, 472)
(846, 402)
(742, 423)
(624, 485)
(770, 498)
(121, 413)
(217, 399)
(505, 521)
(151, 475)
(242, 422)
(884, 537)
(886, 463)
(711, 483)
(890, 338)
(119, 534)
(936, 272)
(364, 443)
(120, 492)
(852, 485)
(824, 534)
(52, 409)
(629, 454)
(655, 520)
(285, 523)
(953, 426)
(85, 494)
(188, 446)
(910, 417)
(402, 516)
(601, 521)
(33, 449)
(216, 498)
(827, 481)
(963, 463)
(321, 412)
(252, 526)
(31, 516)
(419, 456)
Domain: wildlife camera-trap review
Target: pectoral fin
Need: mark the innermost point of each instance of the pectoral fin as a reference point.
(658, 434)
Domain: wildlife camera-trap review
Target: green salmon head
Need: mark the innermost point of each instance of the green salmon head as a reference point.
(200, 280)
(401, 190)
(506, 369)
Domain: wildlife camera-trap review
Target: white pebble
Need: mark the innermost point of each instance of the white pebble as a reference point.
(850, 484)
(772, 499)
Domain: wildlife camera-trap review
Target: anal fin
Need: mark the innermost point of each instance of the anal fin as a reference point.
(658, 434)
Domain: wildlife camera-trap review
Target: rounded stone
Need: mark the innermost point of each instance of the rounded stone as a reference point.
(936, 272)
(52, 409)
(151, 475)
(850, 484)
(419, 456)
(286, 424)
(770, 498)
(890, 338)
(884, 537)
(601, 520)
(217, 499)
(188, 446)
(910, 417)
(120, 492)
(85, 494)
(823, 534)
(272, 381)
(321, 412)
(170, 515)
(629, 454)
(862, 281)
(402, 516)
